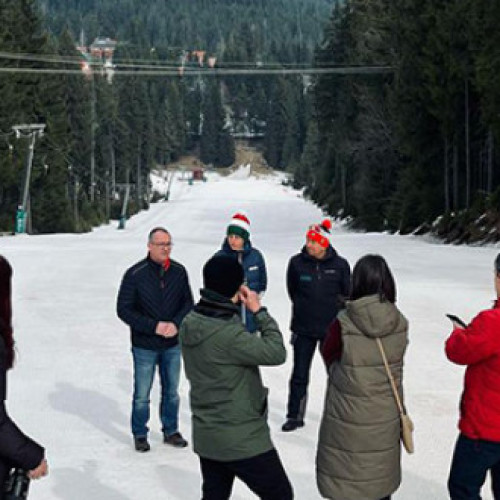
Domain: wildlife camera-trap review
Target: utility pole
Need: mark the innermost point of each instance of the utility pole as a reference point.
(92, 137)
(108, 211)
(75, 203)
(31, 131)
(76, 187)
(138, 176)
(113, 166)
(467, 146)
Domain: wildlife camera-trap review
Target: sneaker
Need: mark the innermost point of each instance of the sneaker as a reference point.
(141, 444)
(291, 424)
(175, 440)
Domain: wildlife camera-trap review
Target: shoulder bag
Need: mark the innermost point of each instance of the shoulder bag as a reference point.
(406, 423)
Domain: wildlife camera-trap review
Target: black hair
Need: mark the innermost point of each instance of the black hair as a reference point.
(371, 275)
(6, 309)
(497, 264)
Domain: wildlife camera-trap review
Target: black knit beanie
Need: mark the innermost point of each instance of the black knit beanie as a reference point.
(223, 275)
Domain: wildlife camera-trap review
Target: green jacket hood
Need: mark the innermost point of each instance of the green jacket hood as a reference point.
(374, 317)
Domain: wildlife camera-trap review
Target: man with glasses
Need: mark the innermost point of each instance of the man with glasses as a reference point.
(153, 299)
(318, 281)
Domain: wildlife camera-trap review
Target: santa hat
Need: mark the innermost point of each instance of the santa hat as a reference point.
(239, 225)
(320, 233)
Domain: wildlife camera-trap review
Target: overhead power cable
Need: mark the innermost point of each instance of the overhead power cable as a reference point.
(171, 68)
(343, 70)
(135, 63)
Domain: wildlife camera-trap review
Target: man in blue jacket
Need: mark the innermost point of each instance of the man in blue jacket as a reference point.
(318, 281)
(153, 299)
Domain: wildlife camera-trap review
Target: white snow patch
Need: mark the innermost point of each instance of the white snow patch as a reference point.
(72, 385)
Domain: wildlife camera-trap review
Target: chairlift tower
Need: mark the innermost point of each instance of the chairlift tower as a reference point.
(31, 132)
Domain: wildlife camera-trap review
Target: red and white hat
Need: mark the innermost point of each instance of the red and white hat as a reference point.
(240, 225)
(320, 233)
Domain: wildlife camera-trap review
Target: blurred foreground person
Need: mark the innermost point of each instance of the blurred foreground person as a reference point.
(228, 400)
(477, 449)
(359, 450)
(16, 449)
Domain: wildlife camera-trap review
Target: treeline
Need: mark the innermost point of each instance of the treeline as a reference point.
(104, 134)
(392, 149)
(111, 134)
(232, 30)
(395, 150)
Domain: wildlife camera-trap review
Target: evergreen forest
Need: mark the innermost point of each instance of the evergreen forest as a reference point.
(386, 113)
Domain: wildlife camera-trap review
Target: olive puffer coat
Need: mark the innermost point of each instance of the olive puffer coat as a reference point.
(359, 449)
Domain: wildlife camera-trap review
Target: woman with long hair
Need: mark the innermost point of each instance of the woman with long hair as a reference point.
(359, 451)
(16, 449)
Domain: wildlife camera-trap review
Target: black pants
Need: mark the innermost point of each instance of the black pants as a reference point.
(4, 472)
(472, 459)
(263, 474)
(303, 352)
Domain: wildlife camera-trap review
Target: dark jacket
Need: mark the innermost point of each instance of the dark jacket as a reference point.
(255, 271)
(221, 360)
(478, 347)
(16, 449)
(359, 449)
(317, 289)
(149, 294)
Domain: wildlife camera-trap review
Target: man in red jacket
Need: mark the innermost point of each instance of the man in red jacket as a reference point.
(478, 446)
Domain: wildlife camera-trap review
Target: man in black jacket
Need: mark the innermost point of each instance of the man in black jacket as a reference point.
(318, 280)
(153, 299)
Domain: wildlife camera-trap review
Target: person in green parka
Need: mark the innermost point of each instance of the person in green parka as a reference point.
(359, 450)
(228, 399)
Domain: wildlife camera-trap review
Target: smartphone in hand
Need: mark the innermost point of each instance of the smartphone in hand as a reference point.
(456, 320)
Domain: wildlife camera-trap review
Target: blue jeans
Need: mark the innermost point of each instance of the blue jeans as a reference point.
(471, 461)
(169, 367)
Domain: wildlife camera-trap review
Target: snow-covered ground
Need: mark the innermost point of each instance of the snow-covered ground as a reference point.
(72, 384)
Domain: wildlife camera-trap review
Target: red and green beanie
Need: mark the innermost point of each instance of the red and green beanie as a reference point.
(320, 233)
(239, 225)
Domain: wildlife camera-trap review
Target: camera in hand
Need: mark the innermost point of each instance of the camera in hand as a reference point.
(17, 485)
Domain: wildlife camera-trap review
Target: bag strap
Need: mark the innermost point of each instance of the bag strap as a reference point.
(391, 378)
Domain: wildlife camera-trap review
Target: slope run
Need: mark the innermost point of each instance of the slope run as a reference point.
(72, 384)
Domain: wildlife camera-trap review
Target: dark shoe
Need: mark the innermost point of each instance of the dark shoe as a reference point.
(141, 444)
(175, 440)
(291, 424)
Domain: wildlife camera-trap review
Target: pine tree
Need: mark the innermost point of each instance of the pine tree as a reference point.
(216, 145)
(276, 121)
